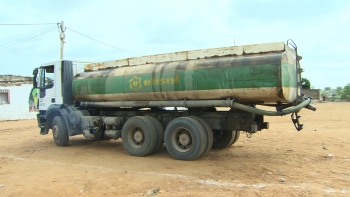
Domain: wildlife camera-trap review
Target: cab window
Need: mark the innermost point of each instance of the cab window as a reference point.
(47, 77)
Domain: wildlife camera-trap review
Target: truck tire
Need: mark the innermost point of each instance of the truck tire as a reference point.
(223, 139)
(160, 133)
(208, 132)
(185, 138)
(139, 136)
(238, 133)
(60, 131)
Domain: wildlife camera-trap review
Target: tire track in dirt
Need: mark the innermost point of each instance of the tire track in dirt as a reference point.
(208, 182)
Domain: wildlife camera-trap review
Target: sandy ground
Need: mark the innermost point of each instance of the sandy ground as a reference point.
(312, 162)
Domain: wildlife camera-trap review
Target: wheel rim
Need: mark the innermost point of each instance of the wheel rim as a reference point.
(56, 131)
(218, 135)
(181, 140)
(136, 138)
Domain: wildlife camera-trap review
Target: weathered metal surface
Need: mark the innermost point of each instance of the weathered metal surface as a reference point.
(255, 78)
(190, 55)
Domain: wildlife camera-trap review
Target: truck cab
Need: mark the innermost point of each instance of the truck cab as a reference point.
(54, 82)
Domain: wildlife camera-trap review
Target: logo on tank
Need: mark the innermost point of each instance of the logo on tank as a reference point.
(136, 82)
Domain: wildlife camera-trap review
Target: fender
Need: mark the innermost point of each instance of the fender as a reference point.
(64, 111)
(46, 116)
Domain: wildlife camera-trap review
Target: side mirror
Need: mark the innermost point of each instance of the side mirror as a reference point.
(35, 83)
(35, 71)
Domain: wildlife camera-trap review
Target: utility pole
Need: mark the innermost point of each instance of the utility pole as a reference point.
(62, 37)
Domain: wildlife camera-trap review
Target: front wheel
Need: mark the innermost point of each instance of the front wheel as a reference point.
(60, 131)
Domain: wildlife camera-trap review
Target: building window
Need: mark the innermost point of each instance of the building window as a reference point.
(4, 97)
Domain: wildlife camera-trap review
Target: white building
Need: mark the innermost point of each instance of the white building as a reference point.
(14, 98)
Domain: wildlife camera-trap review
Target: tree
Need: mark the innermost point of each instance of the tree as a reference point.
(339, 90)
(346, 92)
(326, 91)
(306, 83)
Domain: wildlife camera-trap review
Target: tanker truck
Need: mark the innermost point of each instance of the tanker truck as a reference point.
(172, 99)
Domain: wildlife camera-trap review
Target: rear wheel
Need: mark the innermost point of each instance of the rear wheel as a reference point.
(208, 132)
(238, 133)
(185, 138)
(223, 139)
(60, 131)
(139, 136)
(159, 131)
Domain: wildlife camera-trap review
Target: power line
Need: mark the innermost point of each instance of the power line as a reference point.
(5, 48)
(12, 24)
(23, 36)
(101, 42)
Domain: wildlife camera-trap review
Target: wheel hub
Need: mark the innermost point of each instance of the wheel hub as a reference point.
(55, 132)
(184, 139)
(138, 136)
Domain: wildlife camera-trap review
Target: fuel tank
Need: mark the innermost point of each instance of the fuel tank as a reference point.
(262, 73)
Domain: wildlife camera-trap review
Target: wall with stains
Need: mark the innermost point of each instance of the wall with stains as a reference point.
(313, 93)
(18, 109)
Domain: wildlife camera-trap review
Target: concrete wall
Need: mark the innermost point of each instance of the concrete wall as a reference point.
(314, 93)
(19, 106)
(12, 80)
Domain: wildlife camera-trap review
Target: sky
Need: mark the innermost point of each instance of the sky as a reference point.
(116, 29)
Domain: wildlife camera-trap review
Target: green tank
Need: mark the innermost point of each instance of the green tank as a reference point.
(262, 73)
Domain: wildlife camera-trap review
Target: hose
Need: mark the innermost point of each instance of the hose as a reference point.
(290, 110)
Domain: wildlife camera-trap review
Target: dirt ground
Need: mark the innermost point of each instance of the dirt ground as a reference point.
(279, 161)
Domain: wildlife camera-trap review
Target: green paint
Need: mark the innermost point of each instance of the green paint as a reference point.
(228, 75)
(289, 78)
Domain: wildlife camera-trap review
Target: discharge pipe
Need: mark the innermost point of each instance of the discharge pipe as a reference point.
(201, 103)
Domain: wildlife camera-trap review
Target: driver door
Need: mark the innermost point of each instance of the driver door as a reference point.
(46, 87)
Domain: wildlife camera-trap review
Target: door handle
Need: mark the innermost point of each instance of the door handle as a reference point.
(53, 100)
